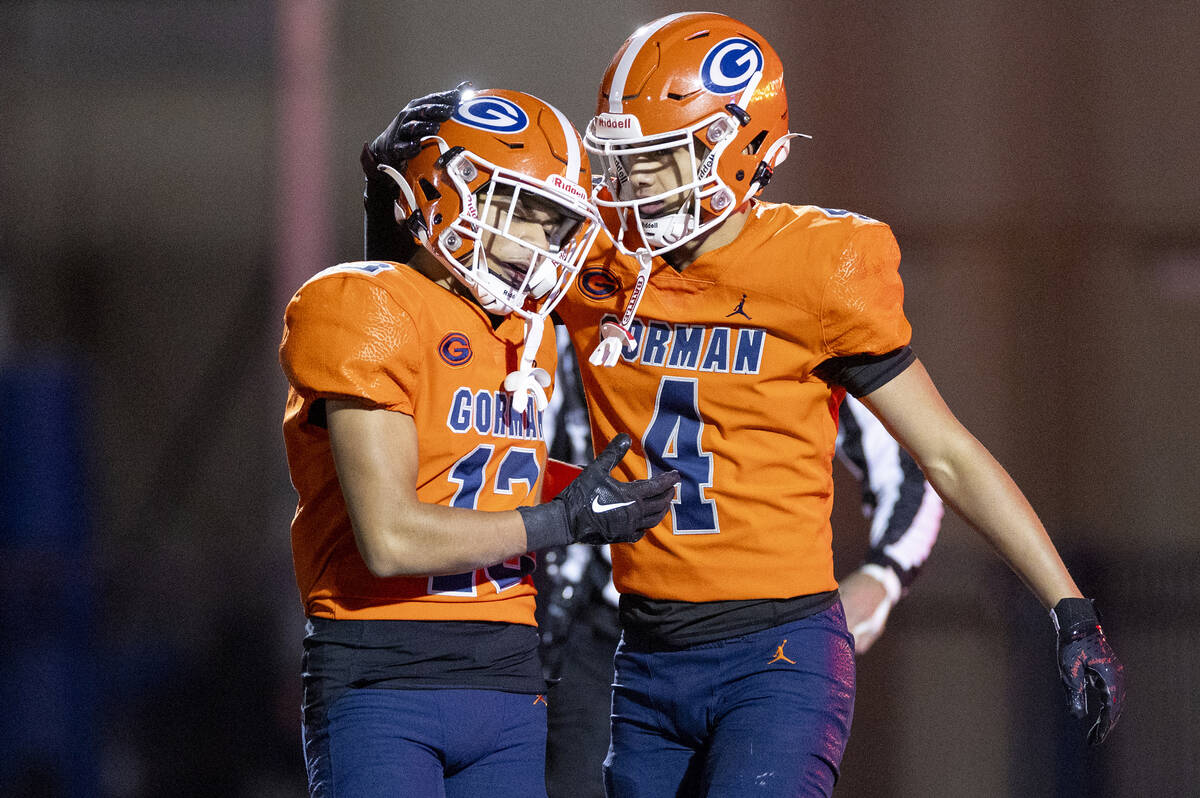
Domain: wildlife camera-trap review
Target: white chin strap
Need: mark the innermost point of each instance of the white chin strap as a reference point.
(489, 302)
(667, 230)
(528, 380)
(616, 337)
(543, 277)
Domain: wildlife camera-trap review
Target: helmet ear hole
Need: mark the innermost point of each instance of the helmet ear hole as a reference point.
(756, 143)
(431, 193)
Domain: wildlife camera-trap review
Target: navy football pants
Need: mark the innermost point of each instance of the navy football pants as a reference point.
(372, 743)
(765, 714)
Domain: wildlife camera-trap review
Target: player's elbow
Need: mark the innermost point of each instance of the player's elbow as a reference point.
(952, 463)
(387, 553)
(939, 470)
(379, 560)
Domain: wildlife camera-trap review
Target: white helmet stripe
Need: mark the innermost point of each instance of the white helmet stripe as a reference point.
(744, 98)
(617, 89)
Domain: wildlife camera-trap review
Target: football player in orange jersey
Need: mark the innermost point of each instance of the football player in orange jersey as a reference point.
(414, 436)
(730, 329)
(748, 321)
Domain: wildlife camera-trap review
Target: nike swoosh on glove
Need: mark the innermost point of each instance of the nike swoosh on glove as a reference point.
(596, 508)
(1087, 663)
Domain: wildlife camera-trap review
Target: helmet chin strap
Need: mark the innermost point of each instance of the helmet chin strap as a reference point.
(667, 230)
(528, 380)
(615, 337)
(490, 303)
(542, 277)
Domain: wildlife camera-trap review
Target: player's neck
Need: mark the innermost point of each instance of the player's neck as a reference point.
(719, 236)
(425, 263)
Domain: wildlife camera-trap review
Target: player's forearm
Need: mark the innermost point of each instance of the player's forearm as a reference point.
(429, 539)
(970, 480)
(383, 239)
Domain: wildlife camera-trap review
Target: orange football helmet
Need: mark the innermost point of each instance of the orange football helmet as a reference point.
(504, 157)
(500, 196)
(702, 93)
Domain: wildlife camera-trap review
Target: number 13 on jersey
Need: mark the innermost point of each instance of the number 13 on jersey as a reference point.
(673, 440)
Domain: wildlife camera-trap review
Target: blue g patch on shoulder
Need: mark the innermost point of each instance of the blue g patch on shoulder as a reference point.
(597, 282)
(455, 349)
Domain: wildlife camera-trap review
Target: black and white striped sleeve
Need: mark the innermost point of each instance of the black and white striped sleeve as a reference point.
(904, 510)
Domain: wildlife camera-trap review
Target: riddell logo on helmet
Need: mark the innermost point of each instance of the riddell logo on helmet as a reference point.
(618, 125)
(567, 186)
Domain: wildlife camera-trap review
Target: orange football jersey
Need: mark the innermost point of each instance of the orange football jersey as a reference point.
(720, 386)
(384, 334)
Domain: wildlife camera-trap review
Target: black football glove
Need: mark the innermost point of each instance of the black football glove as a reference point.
(597, 509)
(383, 239)
(1087, 662)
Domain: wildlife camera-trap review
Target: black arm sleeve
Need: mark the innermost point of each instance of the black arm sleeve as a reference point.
(383, 239)
(862, 374)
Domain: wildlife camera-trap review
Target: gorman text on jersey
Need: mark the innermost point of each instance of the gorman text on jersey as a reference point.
(695, 347)
(491, 413)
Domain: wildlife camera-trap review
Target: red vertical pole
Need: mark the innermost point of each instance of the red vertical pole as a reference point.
(302, 223)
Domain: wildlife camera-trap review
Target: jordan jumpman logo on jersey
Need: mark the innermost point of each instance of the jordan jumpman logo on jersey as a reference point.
(740, 309)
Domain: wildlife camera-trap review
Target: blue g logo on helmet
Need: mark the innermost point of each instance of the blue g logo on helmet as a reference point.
(730, 65)
(493, 114)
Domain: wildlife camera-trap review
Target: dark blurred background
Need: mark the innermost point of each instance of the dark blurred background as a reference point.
(171, 172)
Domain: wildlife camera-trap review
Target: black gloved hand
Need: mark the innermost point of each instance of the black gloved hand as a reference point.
(597, 509)
(1087, 662)
(401, 139)
(383, 239)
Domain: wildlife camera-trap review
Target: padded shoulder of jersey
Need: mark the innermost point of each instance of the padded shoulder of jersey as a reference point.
(348, 333)
(826, 222)
(862, 303)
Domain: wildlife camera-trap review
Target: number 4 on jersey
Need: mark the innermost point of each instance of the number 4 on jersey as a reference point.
(673, 441)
